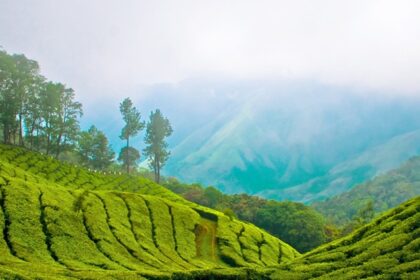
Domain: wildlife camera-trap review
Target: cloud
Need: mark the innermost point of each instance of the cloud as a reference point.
(108, 47)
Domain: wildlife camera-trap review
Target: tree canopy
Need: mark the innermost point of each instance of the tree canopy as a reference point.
(94, 149)
(33, 109)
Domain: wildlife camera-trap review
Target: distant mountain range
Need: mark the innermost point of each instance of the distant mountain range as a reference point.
(297, 140)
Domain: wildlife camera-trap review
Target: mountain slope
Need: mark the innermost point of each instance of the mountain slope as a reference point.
(385, 191)
(299, 141)
(62, 222)
(386, 248)
(342, 177)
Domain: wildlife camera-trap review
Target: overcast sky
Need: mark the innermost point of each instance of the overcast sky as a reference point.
(100, 46)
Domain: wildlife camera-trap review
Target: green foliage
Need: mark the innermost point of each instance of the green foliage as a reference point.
(129, 157)
(43, 113)
(17, 76)
(385, 191)
(386, 248)
(297, 224)
(158, 128)
(131, 117)
(229, 212)
(59, 221)
(133, 126)
(94, 149)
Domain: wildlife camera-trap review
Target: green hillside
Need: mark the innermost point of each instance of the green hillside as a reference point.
(386, 248)
(59, 221)
(385, 191)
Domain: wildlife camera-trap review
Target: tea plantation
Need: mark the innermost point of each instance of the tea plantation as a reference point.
(387, 248)
(59, 221)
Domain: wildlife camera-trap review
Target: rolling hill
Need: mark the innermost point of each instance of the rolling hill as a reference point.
(386, 248)
(385, 191)
(59, 221)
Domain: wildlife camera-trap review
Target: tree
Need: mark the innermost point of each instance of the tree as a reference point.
(33, 114)
(132, 127)
(94, 149)
(158, 128)
(297, 224)
(66, 122)
(17, 76)
(8, 103)
(59, 113)
(49, 101)
(45, 113)
(364, 215)
(26, 72)
(129, 157)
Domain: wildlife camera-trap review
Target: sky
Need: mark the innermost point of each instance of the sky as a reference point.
(103, 48)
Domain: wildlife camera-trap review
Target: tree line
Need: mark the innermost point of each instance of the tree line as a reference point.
(299, 225)
(43, 115)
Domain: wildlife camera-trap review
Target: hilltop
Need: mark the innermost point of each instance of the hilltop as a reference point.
(60, 221)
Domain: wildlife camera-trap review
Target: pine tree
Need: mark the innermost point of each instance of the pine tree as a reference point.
(158, 128)
(133, 125)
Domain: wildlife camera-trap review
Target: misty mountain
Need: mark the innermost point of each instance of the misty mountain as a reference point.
(298, 141)
(345, 175)
(285, 140)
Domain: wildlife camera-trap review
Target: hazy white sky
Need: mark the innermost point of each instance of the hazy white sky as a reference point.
(104, 45)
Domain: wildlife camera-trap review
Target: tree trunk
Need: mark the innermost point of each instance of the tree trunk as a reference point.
(127, 156)
(157, 169)
(158, 173)
(21, 143)
(58, 145)
(6, 133)
(48, 140)
(31, 135)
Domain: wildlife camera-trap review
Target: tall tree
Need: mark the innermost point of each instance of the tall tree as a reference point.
(17, 75)
(8, 103)
(94, 149)
(49, 101)
(133, 125)
(60, 114)
(33, 114)
(67, 124)
(158, 128)
(27, 72)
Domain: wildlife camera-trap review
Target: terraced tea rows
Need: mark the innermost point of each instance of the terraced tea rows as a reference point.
(58, 220)
(387, 248)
